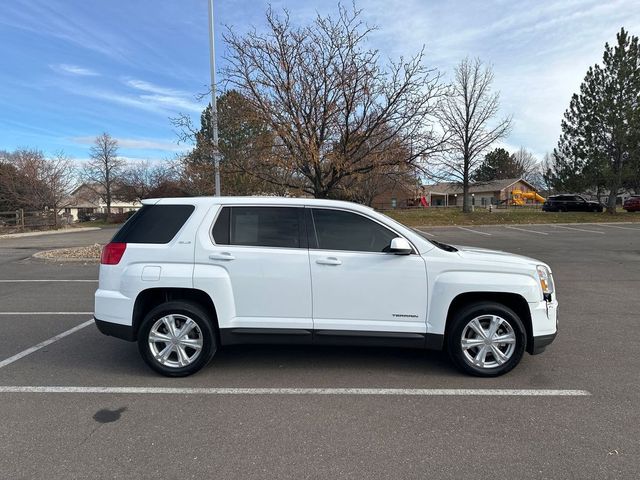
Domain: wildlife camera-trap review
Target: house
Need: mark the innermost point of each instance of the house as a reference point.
(398, 194)
(493, 192)
(86, 200)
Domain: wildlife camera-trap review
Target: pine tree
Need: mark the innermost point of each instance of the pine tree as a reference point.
(245, 145)
(600, 140)
(498, 164)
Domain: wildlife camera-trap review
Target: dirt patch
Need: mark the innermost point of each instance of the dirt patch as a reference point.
(90, 254)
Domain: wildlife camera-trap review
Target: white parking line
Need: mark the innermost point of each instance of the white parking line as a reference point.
(47, 281)
(46, 313)
(300, 391)
(615, 226)
(426, 233)
(474, 231)
(37, 347)
(579, 229)
(525, 230)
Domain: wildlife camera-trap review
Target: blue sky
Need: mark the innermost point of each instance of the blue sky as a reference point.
(72, 69)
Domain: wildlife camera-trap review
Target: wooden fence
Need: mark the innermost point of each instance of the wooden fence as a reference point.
(20, 220)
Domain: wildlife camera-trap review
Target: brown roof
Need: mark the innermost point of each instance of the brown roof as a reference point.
(474, 187)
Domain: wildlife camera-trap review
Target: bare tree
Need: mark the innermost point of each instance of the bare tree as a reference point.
(546, 173)
(21, 184)
(148, 179)
(103, 172)
(31, 180)
(332, 107)
(527, 164)
(58, 173)
(467, 117)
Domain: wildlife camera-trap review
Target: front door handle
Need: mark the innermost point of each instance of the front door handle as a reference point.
(225, 256)
(329, 261)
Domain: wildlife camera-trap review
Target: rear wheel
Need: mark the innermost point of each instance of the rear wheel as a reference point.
(486, 339)
(176, 339)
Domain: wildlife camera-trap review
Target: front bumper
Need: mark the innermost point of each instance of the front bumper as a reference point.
(541, 342)
(544, 325)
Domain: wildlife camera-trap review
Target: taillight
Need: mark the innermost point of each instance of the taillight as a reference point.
(112, 253)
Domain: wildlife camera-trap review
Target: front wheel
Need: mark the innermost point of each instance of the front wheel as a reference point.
(486, 339)
(176, 339)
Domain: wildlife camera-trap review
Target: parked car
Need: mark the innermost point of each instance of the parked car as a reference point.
(571, 203)
(186, 276)
(632, 204)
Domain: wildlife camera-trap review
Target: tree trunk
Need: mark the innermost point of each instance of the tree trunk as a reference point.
(611, 202)
(466, 208)
(614, 187)
(615, 182)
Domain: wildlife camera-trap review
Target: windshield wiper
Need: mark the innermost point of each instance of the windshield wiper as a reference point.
(444, 246)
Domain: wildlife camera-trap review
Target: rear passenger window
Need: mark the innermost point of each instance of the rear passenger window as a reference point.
(259, 227)
(154, 224)
(221, 227)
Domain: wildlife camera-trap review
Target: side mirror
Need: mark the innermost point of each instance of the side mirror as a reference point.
(400, 246)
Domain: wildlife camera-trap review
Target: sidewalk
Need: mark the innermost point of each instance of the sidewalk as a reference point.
(49, 232)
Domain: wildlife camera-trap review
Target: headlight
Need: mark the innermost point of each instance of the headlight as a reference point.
(546, 280)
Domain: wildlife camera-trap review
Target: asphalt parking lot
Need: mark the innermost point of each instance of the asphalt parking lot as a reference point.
(90, 429)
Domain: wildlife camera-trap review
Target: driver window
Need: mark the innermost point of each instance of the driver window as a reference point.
(340, 230)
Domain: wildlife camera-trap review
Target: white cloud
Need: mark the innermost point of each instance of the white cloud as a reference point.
(165, 97)
(138, 143)
(74, 70)
(161, 104)
(152, 88)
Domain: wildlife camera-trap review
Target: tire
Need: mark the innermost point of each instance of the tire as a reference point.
(562, 209)
(187, 354)
(509, 327)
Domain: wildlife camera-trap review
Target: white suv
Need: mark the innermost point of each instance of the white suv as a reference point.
(185, 276)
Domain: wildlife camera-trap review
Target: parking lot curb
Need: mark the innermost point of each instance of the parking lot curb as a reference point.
(49, 232)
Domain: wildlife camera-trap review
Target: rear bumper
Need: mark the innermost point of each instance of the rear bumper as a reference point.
(125, 332)
(112, 306)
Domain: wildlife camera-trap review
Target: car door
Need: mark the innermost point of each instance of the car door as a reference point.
(582, 204)
(357, 285)
(263, 250)
(565, 203)
(576, 204)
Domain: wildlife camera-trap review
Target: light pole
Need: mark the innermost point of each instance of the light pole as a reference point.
(214, 106)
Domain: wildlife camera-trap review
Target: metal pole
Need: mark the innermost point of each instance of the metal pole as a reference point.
(214, 106)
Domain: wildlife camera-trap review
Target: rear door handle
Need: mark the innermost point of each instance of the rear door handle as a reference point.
(329, 261)
(225, 256)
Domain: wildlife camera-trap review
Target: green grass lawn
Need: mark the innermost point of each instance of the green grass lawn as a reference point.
(454, 216)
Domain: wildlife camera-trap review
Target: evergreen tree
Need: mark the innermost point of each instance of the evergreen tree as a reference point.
(498, 164)
(245, 142)
(600, 142)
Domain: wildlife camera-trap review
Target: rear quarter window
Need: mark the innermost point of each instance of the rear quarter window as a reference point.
(154, 224)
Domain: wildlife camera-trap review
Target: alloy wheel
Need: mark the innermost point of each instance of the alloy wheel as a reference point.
(488, 341)
(175, 340)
